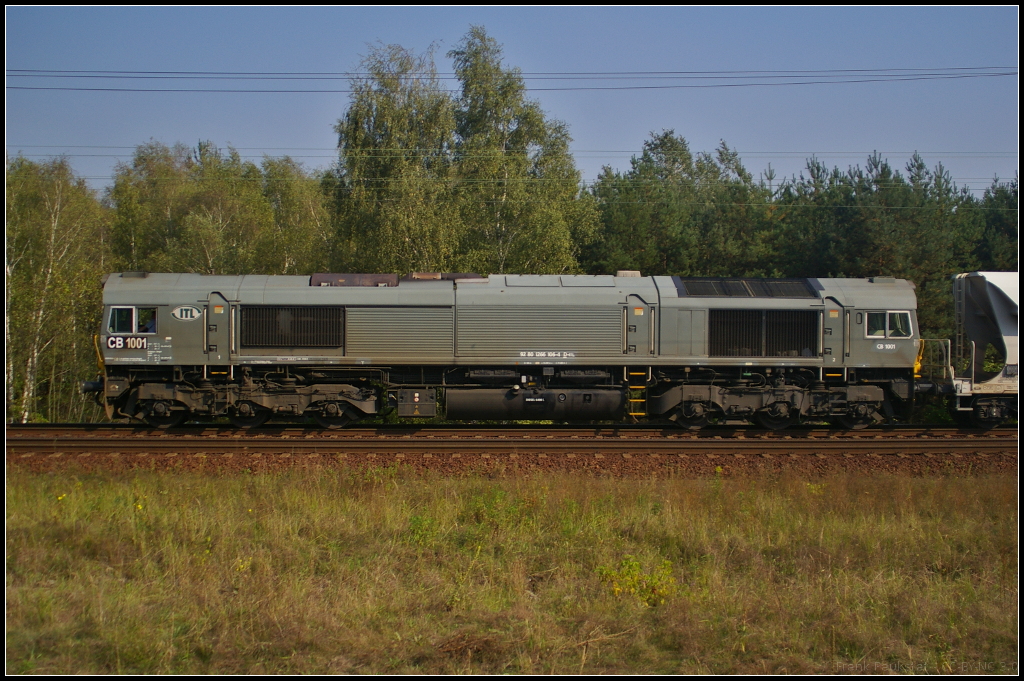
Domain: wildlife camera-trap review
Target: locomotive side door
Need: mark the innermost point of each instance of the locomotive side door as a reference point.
(217, 329)
(638, 319)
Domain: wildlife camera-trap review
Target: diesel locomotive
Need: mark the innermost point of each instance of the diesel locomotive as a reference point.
(340, 347)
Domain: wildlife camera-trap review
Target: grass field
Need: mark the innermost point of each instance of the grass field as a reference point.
(386, 571)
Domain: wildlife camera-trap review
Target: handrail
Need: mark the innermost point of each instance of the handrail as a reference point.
(934, 360)
(974, 363)
(100, 362)
(653, 328)
(846, 338)
(625, 333)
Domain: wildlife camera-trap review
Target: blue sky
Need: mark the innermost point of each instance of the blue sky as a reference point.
(968, 124)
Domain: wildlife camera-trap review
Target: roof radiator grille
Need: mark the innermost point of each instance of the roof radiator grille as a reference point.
(708, 287)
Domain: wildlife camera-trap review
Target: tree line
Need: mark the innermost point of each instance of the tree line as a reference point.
(479, 180)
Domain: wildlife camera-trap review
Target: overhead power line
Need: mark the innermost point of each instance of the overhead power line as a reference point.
(557, 75)
(644, 80)
(623, 183)
(962, 153)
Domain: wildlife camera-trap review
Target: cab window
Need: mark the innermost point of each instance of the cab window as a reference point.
(876, 325)
(146, 320)
(122, 320)
(899, 325)
(891, 324)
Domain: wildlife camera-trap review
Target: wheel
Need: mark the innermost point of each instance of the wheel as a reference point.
(167, 419)
(773, 422)
(984, 424)
(333, 422)
(852, 422)
(334, 416)
(253, 420)
(776, 416)
(248, 415)
(692, 416)
(692, 422)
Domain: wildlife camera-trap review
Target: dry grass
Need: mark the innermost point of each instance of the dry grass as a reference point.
(390, 572)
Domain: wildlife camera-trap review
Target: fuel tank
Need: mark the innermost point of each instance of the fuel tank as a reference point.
(566, 404)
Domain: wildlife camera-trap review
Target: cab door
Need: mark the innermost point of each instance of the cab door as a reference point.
(834, 341)
(638, 321)
(216, 317)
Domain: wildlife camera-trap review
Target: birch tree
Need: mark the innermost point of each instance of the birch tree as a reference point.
(517, 186)
(209, 210)
(55, 257)
(395, 142)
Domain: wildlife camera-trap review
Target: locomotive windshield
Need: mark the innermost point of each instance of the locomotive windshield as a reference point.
(899, 325)
(888, 325)
(127, 320)
(122, 320)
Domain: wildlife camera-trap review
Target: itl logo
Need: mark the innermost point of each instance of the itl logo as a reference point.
(185, 313)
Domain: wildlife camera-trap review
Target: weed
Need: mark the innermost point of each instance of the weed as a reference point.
(457, 592)
(422, 529)
(651, 587)
(816, 489)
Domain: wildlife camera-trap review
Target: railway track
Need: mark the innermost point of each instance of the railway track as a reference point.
(615, 450)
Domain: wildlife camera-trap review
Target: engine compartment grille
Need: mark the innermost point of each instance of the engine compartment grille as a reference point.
(791, 333)
(273, 326)
(763, 333)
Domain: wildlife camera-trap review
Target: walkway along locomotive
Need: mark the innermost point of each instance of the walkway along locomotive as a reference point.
(338, 347)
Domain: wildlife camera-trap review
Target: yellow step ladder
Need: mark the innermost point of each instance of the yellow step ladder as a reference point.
(637, 393)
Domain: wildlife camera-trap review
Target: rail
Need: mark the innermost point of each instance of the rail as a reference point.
(616, 451)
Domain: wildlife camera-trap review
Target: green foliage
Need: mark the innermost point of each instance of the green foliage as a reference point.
(651, 587)
(674, 213)
(998, 247)
(428, 182)
(208, 211)
(876, 221)
(679, 213)
(517, 185)
(422, 529)
(393, 184)
(300, 235)
(55, 254)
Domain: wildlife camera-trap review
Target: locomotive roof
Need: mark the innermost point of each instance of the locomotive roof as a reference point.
(133, 288)
(876, 292)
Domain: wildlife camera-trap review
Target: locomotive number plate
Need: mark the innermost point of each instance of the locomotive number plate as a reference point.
(127, 343)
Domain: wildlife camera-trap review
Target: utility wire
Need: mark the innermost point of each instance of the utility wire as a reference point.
(796, 77)
(455, 183)
(276, 75)
(968, 153)
(529, 89)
